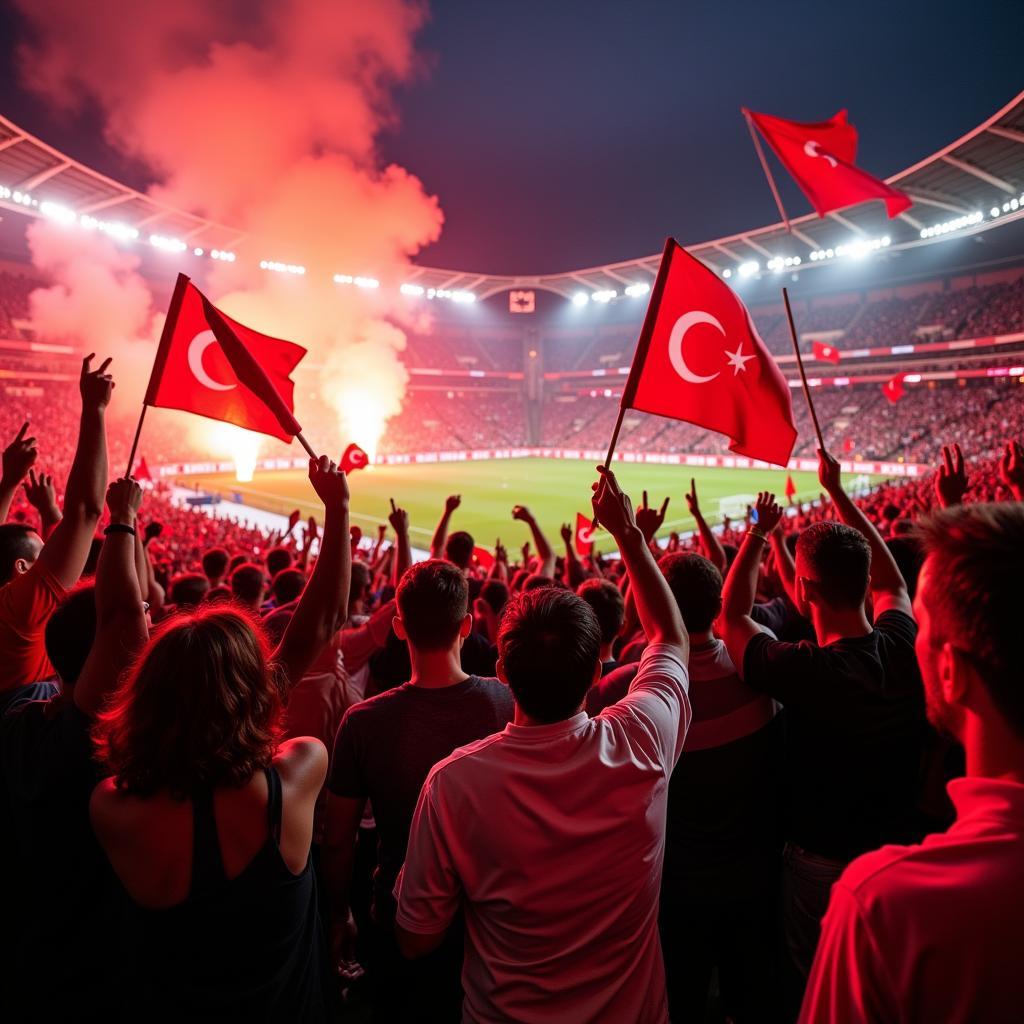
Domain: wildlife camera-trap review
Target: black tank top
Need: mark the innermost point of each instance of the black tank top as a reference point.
(248, 948)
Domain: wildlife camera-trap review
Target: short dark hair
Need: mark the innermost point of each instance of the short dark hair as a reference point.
(549, 644)
(977, 554)
(840, 559)
(188, 589)
(906, 550)
(277, 559)
(287, 585)
(248, 581)
(218, 594)
(359, 580)
(433, 598)
(609, 607)
(537, 581)
(215, 563)
(70, 632)
(459, 549)
(495, 593)
(696, 585)
(15, 543)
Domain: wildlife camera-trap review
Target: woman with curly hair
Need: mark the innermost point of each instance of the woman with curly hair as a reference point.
(207, 817)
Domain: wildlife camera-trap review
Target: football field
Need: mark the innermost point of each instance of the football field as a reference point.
(553, 489)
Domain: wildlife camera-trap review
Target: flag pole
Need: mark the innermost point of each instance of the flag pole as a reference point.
(615, 438)
(135, 442)
(767, 170)
(800, 365)
(305, 444)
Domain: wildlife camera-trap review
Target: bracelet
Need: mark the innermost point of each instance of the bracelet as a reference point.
(119, 528)
(755, 531)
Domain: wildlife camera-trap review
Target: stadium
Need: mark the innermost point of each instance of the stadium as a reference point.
(415, 605)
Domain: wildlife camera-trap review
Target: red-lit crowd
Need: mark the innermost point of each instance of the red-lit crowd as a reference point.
(771, 771)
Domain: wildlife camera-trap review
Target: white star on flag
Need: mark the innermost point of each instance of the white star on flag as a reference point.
(737, 359)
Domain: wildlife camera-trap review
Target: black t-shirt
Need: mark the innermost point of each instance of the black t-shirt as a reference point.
(62, 899)
(856, 731)
(387, 745)
(390, 666)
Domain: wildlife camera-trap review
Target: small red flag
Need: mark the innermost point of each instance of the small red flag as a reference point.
(483, 557)
(293, 521)
(893, 388)
(848, 445)
(213, 366)
(700, 359)
(353, 458)
(790, 486)
(820, 159)
(826, 353)
(142, 471)
(584, 534)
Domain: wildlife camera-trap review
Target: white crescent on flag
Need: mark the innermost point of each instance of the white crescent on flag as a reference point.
(812, 148)
(678, 336)
(197, 347)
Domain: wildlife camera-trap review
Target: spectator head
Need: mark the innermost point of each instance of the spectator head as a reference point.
(459, 549)
(906, 550)
(215, 564)
(495, 593)
(520, 577)
(549, 650)
(200, 709)
(236, 561)
(433, 606)
(248, 584)
(731, 551)
(287, 585)
(277, 559)
(969, 607)
(697, 587)
(359, 585)
(833, 563)
(536, 581)
(606, 601)
(218, 594)
(19, 548)
(70, 632)
(188, 589)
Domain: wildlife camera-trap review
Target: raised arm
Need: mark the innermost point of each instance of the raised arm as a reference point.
(323, 606)
(440, 538)
(121, 629)
(650, 519)
(574, 571)
(735, 625)
(951, 479)
(42, 496)
(19, 457)
(66, 551)
(399, 520)
(544, 550)
(888, 587)
(656, 607)
(1011, 468)
(709, 542)
(784, 564)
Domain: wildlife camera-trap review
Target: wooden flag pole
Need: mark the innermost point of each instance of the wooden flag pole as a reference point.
(767, 170)
(800, 365)
(615, 438)
(305, 444)
(135, 442)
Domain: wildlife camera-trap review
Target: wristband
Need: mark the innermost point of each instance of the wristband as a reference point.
(755, 531)
(119, 528)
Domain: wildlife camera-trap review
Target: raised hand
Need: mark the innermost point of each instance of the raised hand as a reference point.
(612, 506)
(96, 385)
(329, 482)
(399, 519)
(40, 492)
(566, 532)
(522, 513)
(691, 499)
(452, 502)
(124, 497)
(500, 554)
(828, 473)
(525, 549)
(19, 457)
(153, 530)
(650, 519)
(1011, 468)
(769, 512)
(951, 481)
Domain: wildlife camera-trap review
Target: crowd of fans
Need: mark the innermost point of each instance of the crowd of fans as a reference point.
(705, 779)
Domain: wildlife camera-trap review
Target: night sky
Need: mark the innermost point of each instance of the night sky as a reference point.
(564, 134)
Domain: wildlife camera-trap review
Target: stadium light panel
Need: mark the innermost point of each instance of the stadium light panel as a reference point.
(197, 251)
(604, 295)
(727, 273)
(58, 212)
(367, 282)
(634, 291)
(580, 299)
(411, 289)
(749, 268)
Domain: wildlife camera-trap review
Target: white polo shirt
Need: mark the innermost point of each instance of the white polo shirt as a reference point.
(933, 932)
(552, 838)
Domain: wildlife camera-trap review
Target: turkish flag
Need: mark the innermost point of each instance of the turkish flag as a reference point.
(700, 359)
(820, 158)
(142, 471)
(826, 353)
(584, 534)
(214, 366)
(848, 445)
(353, 458)
(893, 388)
(790, 487)
(484, 558)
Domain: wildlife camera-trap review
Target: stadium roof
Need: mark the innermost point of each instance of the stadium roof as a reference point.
(973, 184)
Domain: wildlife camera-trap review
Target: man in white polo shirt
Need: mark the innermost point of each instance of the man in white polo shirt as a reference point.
(933, 932)
(551, 834)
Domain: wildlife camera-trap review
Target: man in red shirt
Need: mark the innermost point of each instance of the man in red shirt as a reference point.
(35, 576)
(932, 932)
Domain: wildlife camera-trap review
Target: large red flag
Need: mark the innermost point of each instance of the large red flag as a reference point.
(700, 359)
(820, 158)
(484, 558)
(824, 352)
(214, 366)
(584, 534)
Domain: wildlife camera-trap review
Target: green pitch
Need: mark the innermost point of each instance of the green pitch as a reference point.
(553, 489)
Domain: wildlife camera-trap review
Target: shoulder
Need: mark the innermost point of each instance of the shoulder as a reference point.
(493, 689)
(885, 875)
(463, 763)
(896, 625)
(111, 809)
(301, 759)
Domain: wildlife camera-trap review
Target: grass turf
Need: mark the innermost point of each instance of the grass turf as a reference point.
(554, 490)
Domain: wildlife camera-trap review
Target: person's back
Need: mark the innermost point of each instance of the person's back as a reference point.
(550, 834)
